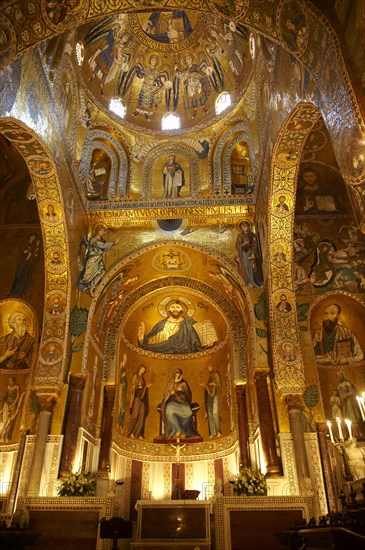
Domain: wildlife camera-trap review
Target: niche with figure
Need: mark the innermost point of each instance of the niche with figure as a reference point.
(99, 175)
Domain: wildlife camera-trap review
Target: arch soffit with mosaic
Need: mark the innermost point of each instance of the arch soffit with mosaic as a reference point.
(247, 318)
(118, 157)
(47, 188)
(266, 18)
(287, 359)
(167, 150)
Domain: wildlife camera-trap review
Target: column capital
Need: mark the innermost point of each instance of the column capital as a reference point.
(47, 402)
(77, 381)
(294, 402)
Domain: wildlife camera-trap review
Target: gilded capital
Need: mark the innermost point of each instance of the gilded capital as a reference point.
(293, 402)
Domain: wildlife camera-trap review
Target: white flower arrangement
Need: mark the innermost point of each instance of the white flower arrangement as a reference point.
(249, 483)
(77, 484)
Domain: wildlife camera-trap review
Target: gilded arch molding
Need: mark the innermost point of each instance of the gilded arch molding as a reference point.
(287, 357)
(46, 184)
(27, 23)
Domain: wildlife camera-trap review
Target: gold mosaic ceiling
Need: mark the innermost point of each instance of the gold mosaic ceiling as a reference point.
(152, 64)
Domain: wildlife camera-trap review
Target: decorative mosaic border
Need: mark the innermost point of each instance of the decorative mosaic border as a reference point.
(287, 356)
(208, 450)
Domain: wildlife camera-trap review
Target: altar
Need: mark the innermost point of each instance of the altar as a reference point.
(173, 525)
(257, 520)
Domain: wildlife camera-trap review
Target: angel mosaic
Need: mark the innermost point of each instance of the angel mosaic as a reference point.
(112, 56)
(156, 86)
(92, 265)
(198, 79)
(228, 43)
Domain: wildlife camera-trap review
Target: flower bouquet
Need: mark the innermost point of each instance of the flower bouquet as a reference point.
(248, 483)
(78, 484)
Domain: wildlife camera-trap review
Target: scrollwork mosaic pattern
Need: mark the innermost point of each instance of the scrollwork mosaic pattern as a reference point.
(209, 450)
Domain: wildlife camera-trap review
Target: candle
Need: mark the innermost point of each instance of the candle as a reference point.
(340, 434)
(361, 403)
(330, 430)
(348, 424)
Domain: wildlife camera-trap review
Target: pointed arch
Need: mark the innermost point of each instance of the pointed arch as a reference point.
(43, 173)
(287, 357)
(241, 316)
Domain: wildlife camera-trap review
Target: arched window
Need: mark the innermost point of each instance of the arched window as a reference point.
(222, 103)
(170, 121)
(118, 107)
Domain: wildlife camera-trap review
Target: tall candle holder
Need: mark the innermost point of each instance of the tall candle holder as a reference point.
(361, 402)
(341, 444)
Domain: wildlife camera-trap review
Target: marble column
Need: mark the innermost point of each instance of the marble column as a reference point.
(106, 428)
(294, 405)
(267, 431)
(47, 404)
(73, 420)
(242, 424)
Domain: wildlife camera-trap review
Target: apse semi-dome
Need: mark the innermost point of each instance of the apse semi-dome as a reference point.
(160, 63)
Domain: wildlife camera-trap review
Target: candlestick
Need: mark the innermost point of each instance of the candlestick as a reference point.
(361, 403)
(330, 431)
(348, 424)
(340, 434)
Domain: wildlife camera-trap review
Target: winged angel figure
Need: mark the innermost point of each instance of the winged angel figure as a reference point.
(112, 56)
(91, 263)
(156, 86)
(197, 80)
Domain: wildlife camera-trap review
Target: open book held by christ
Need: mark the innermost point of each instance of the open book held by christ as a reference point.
(206, 332)
(325, 203)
